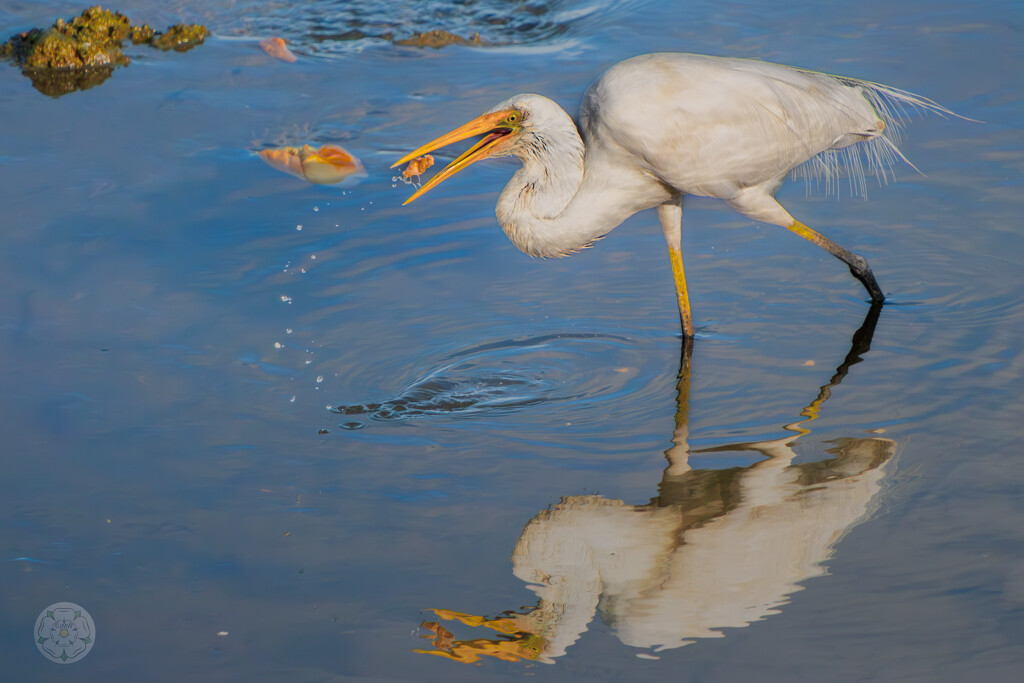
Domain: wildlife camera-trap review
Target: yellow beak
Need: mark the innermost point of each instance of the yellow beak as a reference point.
(495, 123)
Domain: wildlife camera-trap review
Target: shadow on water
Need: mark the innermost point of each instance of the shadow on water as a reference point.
(715, 549)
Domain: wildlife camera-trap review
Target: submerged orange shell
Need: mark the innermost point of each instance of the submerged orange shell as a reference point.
(329, 164)
(276, 47)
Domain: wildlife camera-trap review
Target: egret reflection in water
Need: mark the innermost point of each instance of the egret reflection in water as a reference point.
(714, 549)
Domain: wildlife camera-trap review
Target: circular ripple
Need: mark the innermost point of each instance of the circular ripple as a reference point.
(581, 372)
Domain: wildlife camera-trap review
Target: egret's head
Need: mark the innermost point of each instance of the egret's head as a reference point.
(509, 128)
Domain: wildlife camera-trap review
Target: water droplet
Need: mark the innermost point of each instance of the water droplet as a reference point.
(286, 299)
(299, 226)
(278, 345)
(288, 330)
(316, 208)
(292, 399)
(319, 378)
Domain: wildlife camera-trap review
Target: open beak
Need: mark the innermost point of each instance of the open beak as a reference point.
(496, 128)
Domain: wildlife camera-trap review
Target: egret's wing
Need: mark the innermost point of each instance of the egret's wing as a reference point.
(712, 125)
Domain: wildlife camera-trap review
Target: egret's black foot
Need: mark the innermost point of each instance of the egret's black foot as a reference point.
(860, 269)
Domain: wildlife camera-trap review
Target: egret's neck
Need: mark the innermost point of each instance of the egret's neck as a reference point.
(563, 198)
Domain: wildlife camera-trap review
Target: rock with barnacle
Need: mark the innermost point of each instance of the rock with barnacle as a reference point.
(82, 52)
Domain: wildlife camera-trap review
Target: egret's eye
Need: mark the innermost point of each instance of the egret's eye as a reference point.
(513, 117)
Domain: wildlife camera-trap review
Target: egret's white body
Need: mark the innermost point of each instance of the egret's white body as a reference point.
(660, 126)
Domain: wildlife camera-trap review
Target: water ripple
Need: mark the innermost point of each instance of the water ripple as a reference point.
(342, 26)
(502, 377)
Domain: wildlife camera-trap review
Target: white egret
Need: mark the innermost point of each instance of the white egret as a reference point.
(660, 126)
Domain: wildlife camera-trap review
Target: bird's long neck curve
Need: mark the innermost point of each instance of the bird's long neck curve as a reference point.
(563, 198)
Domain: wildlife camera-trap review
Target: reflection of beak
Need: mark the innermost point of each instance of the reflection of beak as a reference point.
(517, 645)
(488, 123)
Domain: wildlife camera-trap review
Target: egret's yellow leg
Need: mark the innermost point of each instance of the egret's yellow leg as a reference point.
(858, 265)
(682, 298)
(671, 218)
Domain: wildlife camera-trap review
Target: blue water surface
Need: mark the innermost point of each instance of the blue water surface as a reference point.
(268, 430)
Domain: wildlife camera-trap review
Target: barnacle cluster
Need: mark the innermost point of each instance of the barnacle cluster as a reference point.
(82, 52)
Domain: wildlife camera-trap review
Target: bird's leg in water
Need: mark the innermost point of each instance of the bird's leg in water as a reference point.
(678, 455)
(671, 218)
(858, 265)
